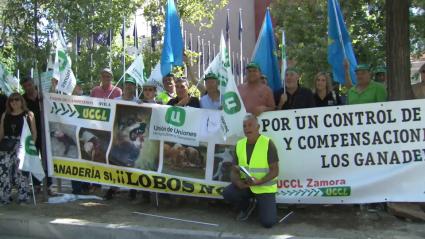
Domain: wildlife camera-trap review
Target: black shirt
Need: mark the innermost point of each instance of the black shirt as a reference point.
(330, 99)
(13, 124)
(193, 102)
(301, 98)
(3, 99)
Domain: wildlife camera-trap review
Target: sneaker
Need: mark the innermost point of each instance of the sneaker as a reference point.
(244, 215)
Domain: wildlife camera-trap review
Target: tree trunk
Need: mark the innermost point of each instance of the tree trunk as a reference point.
(398, 50)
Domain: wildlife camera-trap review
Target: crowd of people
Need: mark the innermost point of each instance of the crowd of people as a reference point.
(256, 96)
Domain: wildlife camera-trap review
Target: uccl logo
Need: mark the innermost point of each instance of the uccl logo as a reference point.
(63, 60)
(175, 116)
(30, 146)
(232, 104)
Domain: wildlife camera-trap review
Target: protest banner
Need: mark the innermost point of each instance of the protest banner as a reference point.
(345, 154)
(109, 142)
(350, 154)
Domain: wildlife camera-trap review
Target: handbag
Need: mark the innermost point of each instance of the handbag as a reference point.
(8, 145)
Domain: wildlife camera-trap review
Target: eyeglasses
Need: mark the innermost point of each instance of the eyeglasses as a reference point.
(14, 99)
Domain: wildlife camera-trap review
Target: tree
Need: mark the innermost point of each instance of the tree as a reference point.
(398, 50)
(305, 24)
(84, 18)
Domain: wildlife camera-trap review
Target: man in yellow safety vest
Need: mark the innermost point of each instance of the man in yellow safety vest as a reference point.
(254, 174)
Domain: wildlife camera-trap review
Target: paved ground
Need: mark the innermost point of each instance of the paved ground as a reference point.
(344, 221)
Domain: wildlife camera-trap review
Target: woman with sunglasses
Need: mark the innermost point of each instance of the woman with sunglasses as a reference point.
(11, 125)
(149, 93)
(324, 95)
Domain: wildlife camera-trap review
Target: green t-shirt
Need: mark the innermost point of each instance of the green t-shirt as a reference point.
(374, 92)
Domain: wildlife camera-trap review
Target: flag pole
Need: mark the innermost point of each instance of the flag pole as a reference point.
(190, 38)
(199, 57)
(110, 37)
(136, 38)
(115, 86)
(91, 54)
(284, 62)
(123, 51)
(339, 28)
(209, 52)
(185, 40)
(32, 189)
(203, 55)
(228, 30)
(76, 56)
(240, 46)
(233, 63)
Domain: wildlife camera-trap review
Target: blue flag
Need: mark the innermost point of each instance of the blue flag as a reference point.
(265, 54)
(338, 42)
(172, 48)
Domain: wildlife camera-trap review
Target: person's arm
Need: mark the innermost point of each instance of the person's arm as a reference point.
(184, 101)
(235, 178)
(348, 81)
(235, 175)
(192, 77)
(33, 127)
(282, 100)
(2, 126)
(273, 173)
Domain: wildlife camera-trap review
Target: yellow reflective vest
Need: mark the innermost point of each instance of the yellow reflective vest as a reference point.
(164, 97)
(258, 165)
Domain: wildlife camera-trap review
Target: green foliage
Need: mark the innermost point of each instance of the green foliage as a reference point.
(305, 24)
(83, 18)
(200, 12)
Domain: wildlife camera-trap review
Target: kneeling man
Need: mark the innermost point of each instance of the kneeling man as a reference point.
(257, 154)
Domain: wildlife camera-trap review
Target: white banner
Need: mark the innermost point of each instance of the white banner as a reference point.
(347, 154)
(176, 124)
(350, 154)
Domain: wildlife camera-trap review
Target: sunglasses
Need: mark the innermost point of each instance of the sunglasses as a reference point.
(148, 89)
(15, 99)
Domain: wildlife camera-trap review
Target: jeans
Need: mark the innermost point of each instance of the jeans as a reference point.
(266, 203)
